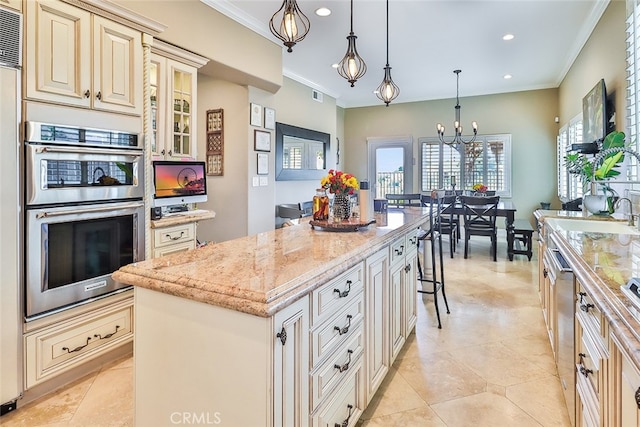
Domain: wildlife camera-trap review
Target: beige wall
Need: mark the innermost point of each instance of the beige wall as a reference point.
(602, 57)
(527, 116)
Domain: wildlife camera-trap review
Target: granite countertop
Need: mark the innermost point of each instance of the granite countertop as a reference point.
(263, 273)
(604, 262)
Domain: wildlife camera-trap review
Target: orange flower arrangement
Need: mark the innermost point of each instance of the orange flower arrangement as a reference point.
(480, 188)
(338, 182)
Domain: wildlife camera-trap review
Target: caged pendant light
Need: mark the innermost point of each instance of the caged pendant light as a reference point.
(388, 90)
(457, 138)
(352, 66)
(294, 25)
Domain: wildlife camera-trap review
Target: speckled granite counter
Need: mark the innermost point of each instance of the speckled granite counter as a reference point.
(603, 262)
(263, 273)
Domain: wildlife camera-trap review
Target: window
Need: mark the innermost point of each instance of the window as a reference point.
(569, 185)
(486, 161)
(633, 83)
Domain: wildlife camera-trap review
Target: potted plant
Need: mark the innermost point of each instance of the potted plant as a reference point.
(583, 165)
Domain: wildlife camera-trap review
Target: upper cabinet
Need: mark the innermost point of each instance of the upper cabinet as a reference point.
(14, 4)
(78, 58)
(173, 99)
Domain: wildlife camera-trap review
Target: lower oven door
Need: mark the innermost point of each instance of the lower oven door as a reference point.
(72, 251)
(62, 175)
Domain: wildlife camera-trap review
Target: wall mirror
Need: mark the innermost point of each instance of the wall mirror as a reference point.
(301, 154)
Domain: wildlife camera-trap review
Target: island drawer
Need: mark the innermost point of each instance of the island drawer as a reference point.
(56, 349)
(589, 360)
(171, 235)
(347, 404)
(590, 316)
(412, 241)
(336, 330)
(398, 249)
(334, 295)
(337, 367)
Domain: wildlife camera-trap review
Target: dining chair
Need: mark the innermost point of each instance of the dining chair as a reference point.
(480, 220)
(401, 200)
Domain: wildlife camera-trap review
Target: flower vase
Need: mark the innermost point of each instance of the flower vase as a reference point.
(341, 207)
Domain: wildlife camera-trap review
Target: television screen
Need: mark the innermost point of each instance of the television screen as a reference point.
(178, 182)
(594, 116)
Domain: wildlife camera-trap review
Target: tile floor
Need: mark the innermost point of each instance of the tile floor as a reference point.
(490, 364)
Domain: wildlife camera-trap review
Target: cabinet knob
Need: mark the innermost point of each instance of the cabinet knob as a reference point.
(637, 395)
(99, 96)
(586, 307)
(87, 93)
(282, 335)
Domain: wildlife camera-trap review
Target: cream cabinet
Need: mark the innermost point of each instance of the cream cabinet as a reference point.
(173, 101)
(173, 239)
(60, 342)
(291, 365)
(78, 58)
(625, 388)
(377, 320)
(14, 4)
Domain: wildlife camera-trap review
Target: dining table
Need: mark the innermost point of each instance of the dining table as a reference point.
(506, 209)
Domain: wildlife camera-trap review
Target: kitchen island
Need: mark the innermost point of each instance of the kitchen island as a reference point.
(291, 327)
(603, 254)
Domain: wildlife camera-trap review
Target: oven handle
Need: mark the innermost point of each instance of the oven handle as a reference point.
(131, 153)
(89, 210)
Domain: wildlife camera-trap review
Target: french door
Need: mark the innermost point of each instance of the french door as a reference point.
(390, 165)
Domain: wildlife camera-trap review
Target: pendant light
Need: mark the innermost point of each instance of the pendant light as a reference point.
(352, 66)
(457, 137)
(294, 25)
(388, 90)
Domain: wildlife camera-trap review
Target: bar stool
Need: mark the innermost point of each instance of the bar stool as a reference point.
(432, 247)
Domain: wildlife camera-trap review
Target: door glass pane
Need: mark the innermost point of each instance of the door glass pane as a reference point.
(473, 164)
(389, 171)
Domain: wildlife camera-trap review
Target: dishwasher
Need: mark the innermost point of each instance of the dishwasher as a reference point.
(561, 275)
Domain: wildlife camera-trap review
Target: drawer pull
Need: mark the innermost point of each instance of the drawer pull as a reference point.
(282, 335)
(108, 335)
(413, 240)
(345, 423)
(545, 273)
(586, 307)
(342, 331)
(407, 268)
(581, 360)
(638, 397)
(344, 293)
(584, 371)
(581, 295)
(175, 238)
(77, 348)
(342, 368)
(399, 250)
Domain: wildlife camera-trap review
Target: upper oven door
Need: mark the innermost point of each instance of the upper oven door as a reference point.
(62, 174)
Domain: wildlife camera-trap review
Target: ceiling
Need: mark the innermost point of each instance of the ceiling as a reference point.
(428, 39)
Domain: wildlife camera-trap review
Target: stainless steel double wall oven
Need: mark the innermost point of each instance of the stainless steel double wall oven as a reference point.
(84, 213)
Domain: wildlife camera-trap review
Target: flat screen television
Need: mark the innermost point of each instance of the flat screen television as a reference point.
(178, 183)
(594, 117)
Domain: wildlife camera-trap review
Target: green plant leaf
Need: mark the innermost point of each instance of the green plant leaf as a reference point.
(608, 164)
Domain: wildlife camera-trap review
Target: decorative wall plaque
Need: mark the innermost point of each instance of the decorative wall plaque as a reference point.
(215, 142)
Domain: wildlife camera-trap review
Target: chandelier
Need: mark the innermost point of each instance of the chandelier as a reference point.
(388, 90)
(294, 25)
(457, 138)
(352, 66)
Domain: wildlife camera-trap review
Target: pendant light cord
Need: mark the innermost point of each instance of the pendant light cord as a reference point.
(387, 33)
(351, 16)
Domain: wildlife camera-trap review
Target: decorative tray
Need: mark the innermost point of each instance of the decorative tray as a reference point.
(345, 225)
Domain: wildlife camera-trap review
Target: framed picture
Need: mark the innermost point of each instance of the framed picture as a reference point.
(261, 140)
(263, 164)
(269, 118)
(256, 115)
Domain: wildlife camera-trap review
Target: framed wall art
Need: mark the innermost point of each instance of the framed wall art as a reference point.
(269, 118)
(263, 164)
(215, 142)
(256, 115)
(261, 140)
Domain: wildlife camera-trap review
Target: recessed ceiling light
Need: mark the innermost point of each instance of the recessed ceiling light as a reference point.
(508, 37)
(323, 11)
(507, 76)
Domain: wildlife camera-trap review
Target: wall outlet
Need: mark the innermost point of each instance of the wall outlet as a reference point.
(256, 181)
(264, 181)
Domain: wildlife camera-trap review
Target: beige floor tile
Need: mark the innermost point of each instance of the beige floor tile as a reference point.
(483, 410)
(540, 400)
(58, 407)
(109, 401)
(394, 395)
(421, 417)
(437, 377)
